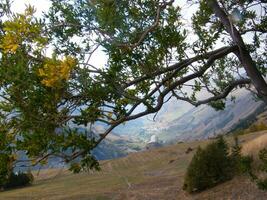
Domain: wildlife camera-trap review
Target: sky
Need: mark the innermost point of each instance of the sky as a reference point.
(99, 59)
(43, 5)
(40, 5)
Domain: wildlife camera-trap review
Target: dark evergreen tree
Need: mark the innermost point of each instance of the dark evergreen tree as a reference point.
(262, 183)
(209, 166)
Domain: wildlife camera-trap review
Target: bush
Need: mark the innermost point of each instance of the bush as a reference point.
(4, 170)
(257, 127)
(214, 164)
(261, 182)
(209, 167)
(252, 128)
(19, 180)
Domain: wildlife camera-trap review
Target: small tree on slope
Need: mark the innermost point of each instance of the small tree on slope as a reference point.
(209, 167)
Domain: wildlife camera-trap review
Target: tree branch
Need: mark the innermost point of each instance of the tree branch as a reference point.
(243, 53)
(179, 66)
(149, 29)
(222, 95)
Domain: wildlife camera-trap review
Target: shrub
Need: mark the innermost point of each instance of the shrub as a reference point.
(214, 164)
(18, 180)
(245, 166)
(4, 171)
(252, 128)
(236, 158)
(209, 167)
(257, 127)
(261, 182)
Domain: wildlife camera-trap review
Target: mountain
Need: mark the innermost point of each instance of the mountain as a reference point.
(176, 121)
(203, 121)
(180, 121)
(143, 128)
(114, 146)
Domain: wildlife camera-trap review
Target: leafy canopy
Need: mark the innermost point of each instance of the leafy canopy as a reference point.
(154, 52)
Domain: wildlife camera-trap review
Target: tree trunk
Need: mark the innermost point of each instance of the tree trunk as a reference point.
(242, 54)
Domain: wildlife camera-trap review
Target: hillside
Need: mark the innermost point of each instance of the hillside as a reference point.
(176, 121)
(180, 121)
(154, 174)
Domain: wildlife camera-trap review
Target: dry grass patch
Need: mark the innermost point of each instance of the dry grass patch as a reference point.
(251, 148)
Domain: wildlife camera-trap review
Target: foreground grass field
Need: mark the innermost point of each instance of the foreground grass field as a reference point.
(155, 174)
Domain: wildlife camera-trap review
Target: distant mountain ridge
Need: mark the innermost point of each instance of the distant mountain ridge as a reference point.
(181, 121)
(176, 121)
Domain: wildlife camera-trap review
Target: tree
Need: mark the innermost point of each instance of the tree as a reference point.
(262, 183)
(153, 52)
(209, 167)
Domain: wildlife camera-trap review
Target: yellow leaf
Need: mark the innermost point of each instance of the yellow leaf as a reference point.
(56, 72)
(22, 29)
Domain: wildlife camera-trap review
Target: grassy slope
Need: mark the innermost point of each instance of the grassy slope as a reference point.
(154, 174)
